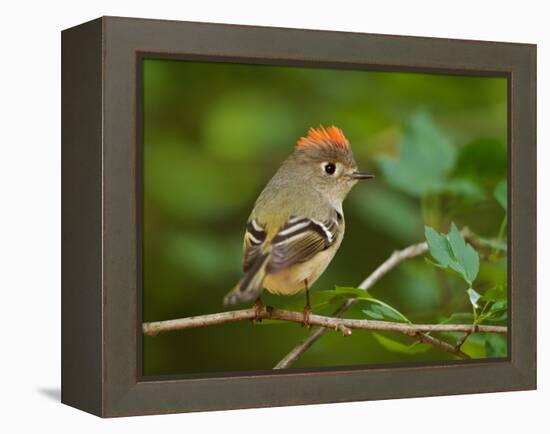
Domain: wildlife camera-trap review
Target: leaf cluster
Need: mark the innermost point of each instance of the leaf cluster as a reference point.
(451, 251)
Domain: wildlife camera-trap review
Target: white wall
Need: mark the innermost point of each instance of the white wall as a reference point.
(30, 213)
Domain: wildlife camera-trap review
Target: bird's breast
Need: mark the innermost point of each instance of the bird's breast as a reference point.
(293, 279)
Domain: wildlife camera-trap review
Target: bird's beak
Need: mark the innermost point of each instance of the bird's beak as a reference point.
(361, 175)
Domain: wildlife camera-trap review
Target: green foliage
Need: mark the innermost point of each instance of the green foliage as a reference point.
(496, 304)
(377, 310)
(495, 345)
(490, 307)
(395, 346)
(384, 312)
(425, 159)
(452, 251)
(214, 133)
(495, 294)
(321, 299)
(498, 312)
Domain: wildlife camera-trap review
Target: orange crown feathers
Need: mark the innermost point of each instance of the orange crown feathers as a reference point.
(331, 137)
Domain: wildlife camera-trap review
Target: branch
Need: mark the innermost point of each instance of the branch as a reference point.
(341, 324)
(395, 259)
(442, 345)
(335, 322)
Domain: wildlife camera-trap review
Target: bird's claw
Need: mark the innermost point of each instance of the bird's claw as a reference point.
(258, 309)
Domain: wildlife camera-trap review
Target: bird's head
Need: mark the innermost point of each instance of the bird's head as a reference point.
(324, 158)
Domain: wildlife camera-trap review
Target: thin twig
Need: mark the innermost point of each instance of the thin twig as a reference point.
(461, 341)
(395, 259)
(341, 324)
(442, 345)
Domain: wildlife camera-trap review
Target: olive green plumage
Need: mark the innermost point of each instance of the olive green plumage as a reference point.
(297, 223)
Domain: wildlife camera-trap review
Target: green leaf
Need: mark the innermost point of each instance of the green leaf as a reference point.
(379, 307)
(372, 314)
(501, 194)
(425, 158)
(452, 251)
(498, 311)
(496, 293)
(343, 293)
(399, 347)
(458, 246)
(471, 263)
(495, 345)
(474, 297)
(474, 345)
(497, 316)
(377, 310)
(339, 294)
(381, 312)
(439, 247)
(358, 292)
(467, 259)
(435, 264)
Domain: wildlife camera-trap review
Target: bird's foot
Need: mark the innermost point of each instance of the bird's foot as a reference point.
(258, 309)
(307, 314)
(307, 307)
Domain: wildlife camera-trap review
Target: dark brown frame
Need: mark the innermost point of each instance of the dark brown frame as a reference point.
(101, 266)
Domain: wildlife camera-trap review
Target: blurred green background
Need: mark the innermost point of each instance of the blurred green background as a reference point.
(214, 134)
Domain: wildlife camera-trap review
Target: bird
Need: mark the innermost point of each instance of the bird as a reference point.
(297, 223)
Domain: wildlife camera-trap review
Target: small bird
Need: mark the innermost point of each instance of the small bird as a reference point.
(297, 223)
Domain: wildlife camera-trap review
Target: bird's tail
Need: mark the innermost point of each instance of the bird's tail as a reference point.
(250, 286)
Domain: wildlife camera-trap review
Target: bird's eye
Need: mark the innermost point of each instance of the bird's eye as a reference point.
(330, 168)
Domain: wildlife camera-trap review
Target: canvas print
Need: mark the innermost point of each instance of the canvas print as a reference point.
(297, 217)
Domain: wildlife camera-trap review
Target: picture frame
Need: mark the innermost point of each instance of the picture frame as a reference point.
(101, 215)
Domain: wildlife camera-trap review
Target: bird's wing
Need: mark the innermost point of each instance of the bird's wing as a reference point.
(254, 238)
(299, 240)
